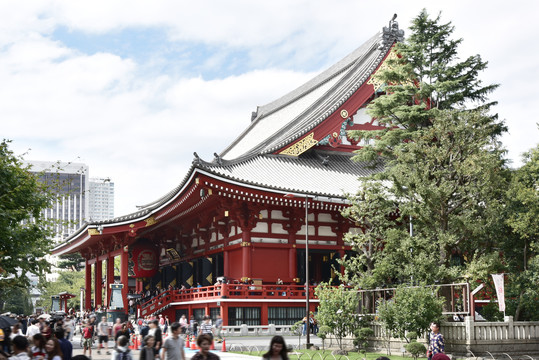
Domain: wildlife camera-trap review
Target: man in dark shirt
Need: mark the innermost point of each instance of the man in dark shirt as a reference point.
(65, 345)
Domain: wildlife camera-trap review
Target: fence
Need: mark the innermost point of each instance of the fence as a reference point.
(259, 330)
(516, 337)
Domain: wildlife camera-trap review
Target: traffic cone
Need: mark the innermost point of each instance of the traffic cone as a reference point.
(131, 343)
(212, 346)
(193, 344)
(187, 342)
(223, 348)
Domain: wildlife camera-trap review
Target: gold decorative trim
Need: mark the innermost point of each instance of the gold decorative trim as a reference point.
(245, 243)
(150, 221)
(93, 232)
(344, 114)
(132, 226)
(301, 146)
(377, 84)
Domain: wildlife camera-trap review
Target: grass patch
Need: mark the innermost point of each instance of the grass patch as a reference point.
(326, 354)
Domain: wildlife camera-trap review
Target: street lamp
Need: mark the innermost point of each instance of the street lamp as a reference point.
(307, 314)
(81, 300)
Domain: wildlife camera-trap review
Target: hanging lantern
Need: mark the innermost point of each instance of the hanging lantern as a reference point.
(145, 259)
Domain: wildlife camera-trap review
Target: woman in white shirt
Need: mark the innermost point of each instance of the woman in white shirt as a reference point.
(16, 331)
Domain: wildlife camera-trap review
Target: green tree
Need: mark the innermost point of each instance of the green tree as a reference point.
(17, 301)
(423, 77)
(68, 281)
(73, 262)
(24, 233)
(442, 165)
(338, 310)
(415, 348)
(521, 254)
(410, 311)
(370, 210)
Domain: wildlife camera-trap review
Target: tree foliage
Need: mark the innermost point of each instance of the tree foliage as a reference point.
(16, 301)
(337, 310)
(434, 208)
(411, 310)
(68, 281)
(424, 77)
(24, 233)
(73, 262)
(521, 254)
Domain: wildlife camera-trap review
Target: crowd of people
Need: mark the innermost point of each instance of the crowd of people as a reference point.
(50, 338)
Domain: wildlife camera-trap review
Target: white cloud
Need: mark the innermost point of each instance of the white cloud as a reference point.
(139, 126)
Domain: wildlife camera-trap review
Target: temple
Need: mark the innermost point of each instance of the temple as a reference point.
(245, 217)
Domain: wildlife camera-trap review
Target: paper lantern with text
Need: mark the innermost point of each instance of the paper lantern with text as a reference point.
(145, 259)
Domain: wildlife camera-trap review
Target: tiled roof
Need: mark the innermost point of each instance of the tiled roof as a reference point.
(286, 119)
(328, 174)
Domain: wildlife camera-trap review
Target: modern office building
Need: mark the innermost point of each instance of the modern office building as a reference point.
(101, 199)
(69, 181)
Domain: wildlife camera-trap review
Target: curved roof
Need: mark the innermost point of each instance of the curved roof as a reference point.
(284, 120)
(277, 124)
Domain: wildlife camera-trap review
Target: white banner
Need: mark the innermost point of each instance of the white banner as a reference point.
(500, 292)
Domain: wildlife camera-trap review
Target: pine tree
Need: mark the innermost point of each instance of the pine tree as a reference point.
(443, 164)
(423, 78)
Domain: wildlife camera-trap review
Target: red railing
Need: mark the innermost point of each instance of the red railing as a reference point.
(226, 291)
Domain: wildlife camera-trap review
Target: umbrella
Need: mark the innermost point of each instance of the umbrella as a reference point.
(6, 321)
(44, 316)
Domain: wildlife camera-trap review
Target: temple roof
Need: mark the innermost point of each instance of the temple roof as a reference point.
(250, 161)
(286, 119)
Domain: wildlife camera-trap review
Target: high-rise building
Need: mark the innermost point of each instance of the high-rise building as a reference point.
(69, 182)
(101, 199)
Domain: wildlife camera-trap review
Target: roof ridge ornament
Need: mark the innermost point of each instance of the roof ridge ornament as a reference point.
(391, 33)
(196, 159)
(217, 159)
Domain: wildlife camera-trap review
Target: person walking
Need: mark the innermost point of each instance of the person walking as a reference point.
(277, 350)
(103, 329)
(53, 350)
(204, 342)
(87, 339)
(20, 348)
(155, 331)
(121, 350)
(148, 351)
(65, 345)
(173, 345)
(436, 341)
(218, 329)
(206, 327)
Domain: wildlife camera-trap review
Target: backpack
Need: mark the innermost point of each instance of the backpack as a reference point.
(123, 355)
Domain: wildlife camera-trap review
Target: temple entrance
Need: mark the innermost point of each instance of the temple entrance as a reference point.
(322, 266)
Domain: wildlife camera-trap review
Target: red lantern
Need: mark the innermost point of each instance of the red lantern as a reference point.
(145, 259)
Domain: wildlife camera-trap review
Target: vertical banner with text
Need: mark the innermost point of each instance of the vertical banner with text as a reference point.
(500, 292)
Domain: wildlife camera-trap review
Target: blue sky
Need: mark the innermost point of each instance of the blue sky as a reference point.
(133, 88)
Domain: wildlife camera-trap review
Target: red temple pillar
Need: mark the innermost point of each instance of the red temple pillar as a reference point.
(224, 313)
(124, 275)
(139, 285)
(98, 286)
(264, 314)
(292, 262)
(226, 264)
(88, 285)
(246, 253)
(110, 276)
